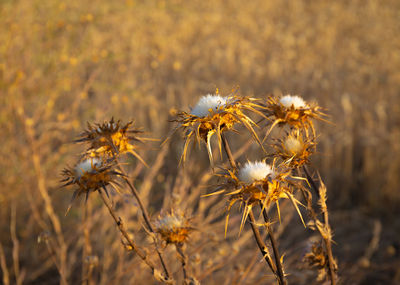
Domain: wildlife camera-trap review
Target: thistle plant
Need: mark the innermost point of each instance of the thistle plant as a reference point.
(174, 228)
(100, 167)
(259, 183)
(294, 150)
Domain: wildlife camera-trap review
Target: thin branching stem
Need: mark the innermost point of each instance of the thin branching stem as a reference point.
(274, 245)
(228, 151)
(145, 214)
(183, 259)
(261, 245)
(325, 237)
(123, 231)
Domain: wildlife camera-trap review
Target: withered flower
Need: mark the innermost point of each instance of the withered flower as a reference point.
(293, 111)
(89, 175)
(174, 227)
(111, 138)
(257, 182)
(295, 149)
(214, 114)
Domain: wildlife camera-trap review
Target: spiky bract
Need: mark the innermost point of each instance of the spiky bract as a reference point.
(111, 138)
(173, 227)
(213, 115)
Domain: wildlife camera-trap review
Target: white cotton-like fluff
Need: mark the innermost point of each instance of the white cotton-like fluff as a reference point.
(295, 101)
(253, 171)
(87, 166)
(170, 222)
(208, 102)
(293, 145)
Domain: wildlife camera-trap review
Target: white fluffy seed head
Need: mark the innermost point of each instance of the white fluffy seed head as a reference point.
(214, 102)
(89, 165)
(170, 222)
(253, 171)
(296, 101)
(293, 145)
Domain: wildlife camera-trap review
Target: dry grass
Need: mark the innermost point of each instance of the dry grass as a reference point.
(63, 64)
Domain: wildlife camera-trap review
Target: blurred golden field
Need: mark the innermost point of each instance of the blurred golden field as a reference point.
(63, 64)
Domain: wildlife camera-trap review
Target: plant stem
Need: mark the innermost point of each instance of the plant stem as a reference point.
(327, 239)
(311, 182)
(261, 244)
(147, 221)
(274, 247)
(145, 214)
(183, 260)
(228, 151)
(121, 228)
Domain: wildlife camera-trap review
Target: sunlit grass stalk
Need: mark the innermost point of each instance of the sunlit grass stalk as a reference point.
(87, 268)
(41, 184)
(53, 256)
(3, 265)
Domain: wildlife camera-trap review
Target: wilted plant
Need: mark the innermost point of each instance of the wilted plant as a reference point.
(253, 184)
(100, 167)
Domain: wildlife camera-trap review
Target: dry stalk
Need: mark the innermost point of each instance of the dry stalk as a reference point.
(125, 234)
(183, 260)
(323, 228)
(37, 165)
(87, 267)
(278, 260)
(3, 264)
(15, 252)
(144, 212)
(261, 245)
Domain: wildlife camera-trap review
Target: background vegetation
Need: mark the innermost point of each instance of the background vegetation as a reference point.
(65, 63)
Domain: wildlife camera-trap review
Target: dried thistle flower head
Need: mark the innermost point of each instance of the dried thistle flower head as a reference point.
(214, 114)
(295, 149)
(90, 174)
(257, 182)
(173, 227)
(111, 138)
(293, 111)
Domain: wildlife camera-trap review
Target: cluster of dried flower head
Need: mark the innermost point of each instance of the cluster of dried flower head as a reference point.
(255, 183)
(258, 183)
(99, 168)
